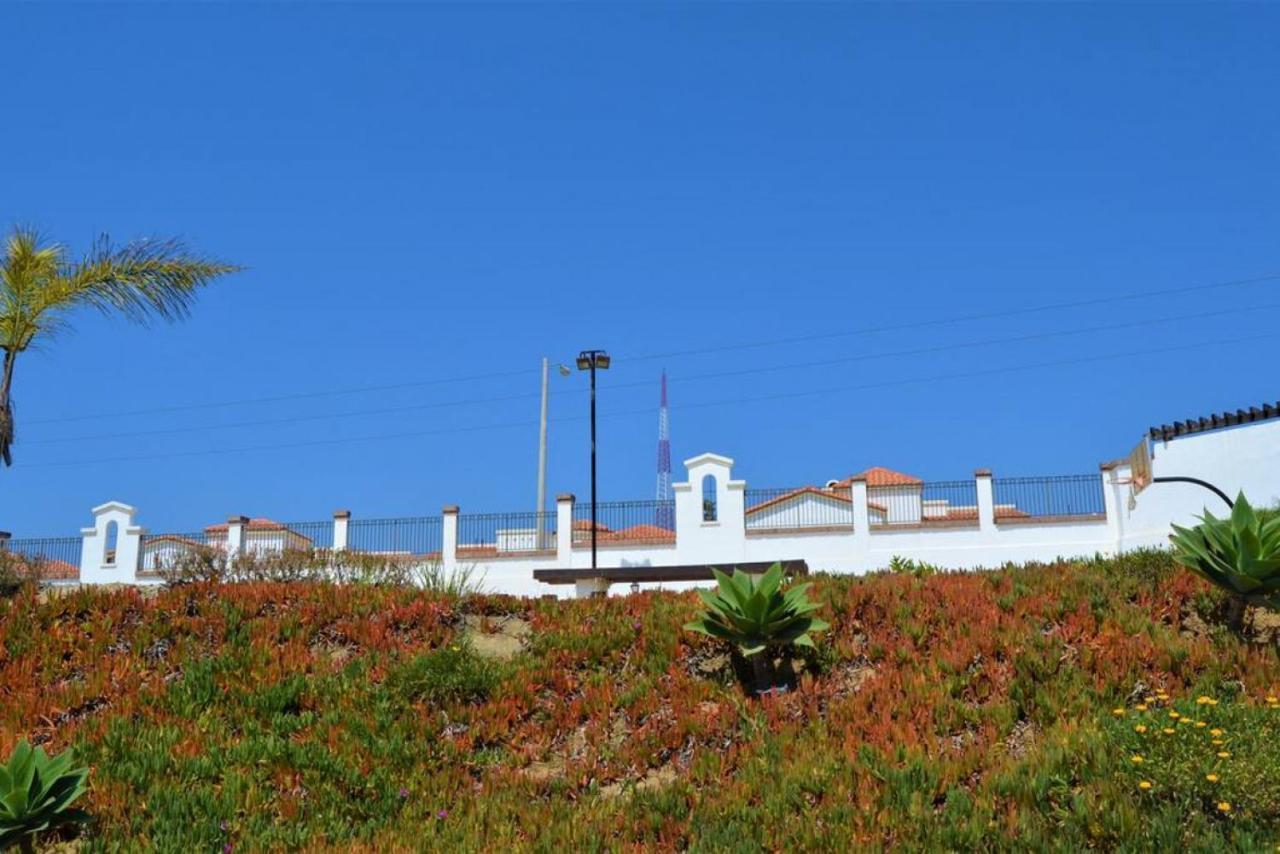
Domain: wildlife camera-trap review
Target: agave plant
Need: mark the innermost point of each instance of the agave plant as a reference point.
(754, 614)
(36, 792)
(1240, 554)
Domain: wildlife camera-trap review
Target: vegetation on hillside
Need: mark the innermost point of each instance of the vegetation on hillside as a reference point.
(998, 710)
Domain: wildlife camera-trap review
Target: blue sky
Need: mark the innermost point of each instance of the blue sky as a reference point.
(437, 192)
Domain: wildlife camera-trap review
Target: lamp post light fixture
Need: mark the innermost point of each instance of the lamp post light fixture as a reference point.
(593, 360)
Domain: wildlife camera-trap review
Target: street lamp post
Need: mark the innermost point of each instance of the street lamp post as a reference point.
(591, 360)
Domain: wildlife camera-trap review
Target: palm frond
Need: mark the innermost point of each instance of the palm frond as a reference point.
(142, 279)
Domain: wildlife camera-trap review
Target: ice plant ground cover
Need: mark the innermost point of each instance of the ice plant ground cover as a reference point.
(1049, 707)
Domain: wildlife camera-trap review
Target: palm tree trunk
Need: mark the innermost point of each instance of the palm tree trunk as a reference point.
(6, 408)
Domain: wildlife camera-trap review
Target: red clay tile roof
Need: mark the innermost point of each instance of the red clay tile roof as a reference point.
(254, 525)
(51, 570)
(646, 533)
(258, 524)
(797, 493)
(834, 493)
(881, 476)
(171, 538)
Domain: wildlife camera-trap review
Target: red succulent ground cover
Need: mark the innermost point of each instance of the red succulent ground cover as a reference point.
(959, 710)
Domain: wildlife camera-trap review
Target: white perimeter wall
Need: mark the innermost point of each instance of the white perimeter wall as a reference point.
(1245, 457)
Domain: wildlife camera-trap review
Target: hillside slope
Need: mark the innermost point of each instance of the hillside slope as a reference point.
(1001, 709)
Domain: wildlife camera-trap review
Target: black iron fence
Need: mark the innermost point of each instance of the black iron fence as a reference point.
(1038, 497)
(631, 523)
(421, 535)
(162, 551)
(792, 508)
(498, 534)
(308, 535)
(60, 554)
(937, 502)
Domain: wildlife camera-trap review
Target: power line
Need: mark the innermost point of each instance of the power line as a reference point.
(941, 348)
(923, 324)
(650, 410)
(672, 354)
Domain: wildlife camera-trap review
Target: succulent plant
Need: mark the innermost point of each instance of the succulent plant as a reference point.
(36, 792)
(753, 613)
(1239, 553)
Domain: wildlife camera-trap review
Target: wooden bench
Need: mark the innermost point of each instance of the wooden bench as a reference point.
(606, 575)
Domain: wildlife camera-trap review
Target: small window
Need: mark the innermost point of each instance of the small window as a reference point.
(113, 534)
(709, 498)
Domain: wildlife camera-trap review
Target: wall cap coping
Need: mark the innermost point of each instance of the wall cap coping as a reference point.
(565, 496)
(5, 535)
(450, 510)
(237, 520)
(342, 514)
(982, 472)
(708, 458)
(113, 505)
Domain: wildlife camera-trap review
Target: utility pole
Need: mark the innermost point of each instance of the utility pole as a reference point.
(542, 457)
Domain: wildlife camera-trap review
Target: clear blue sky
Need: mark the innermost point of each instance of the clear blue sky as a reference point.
(428, 192)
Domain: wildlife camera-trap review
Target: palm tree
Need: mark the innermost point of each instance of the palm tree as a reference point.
(40, 286)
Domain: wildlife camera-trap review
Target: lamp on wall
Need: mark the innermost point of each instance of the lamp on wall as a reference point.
(593, 360)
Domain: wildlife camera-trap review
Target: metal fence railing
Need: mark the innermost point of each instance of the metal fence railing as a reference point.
(497, 534)
(797, 508)
(1039, 497)
(61, 555)
(160, 551)
(632, 523)
(309, 535)
(938, 502)
(421, 535)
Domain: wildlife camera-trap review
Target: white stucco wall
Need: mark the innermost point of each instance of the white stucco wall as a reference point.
(1245, 458)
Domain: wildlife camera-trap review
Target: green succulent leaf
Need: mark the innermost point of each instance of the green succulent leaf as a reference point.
(1239, 553)
(36, 792)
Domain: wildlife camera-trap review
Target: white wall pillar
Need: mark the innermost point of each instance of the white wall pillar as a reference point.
(236, 526)
(564, 529)
(1113, 500)
(986, 500)
(99, 562)
(449, 537)
(861, 506)
(341, 525)
(861, 542)
(722, 541)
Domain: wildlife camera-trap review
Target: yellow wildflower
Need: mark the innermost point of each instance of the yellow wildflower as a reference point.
(1200, 724)
(1222, 754)
(1202, 700)
(1224, 806)
(1216, 732)
(1217, 742)
(1162, 696)
(1174, 715)
(1212, 778)
(1168, 730)
(1136, 759)
(1272, 700)
(1144, 785)
(1140, 728)
(1118, 712)
(1141, 707)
